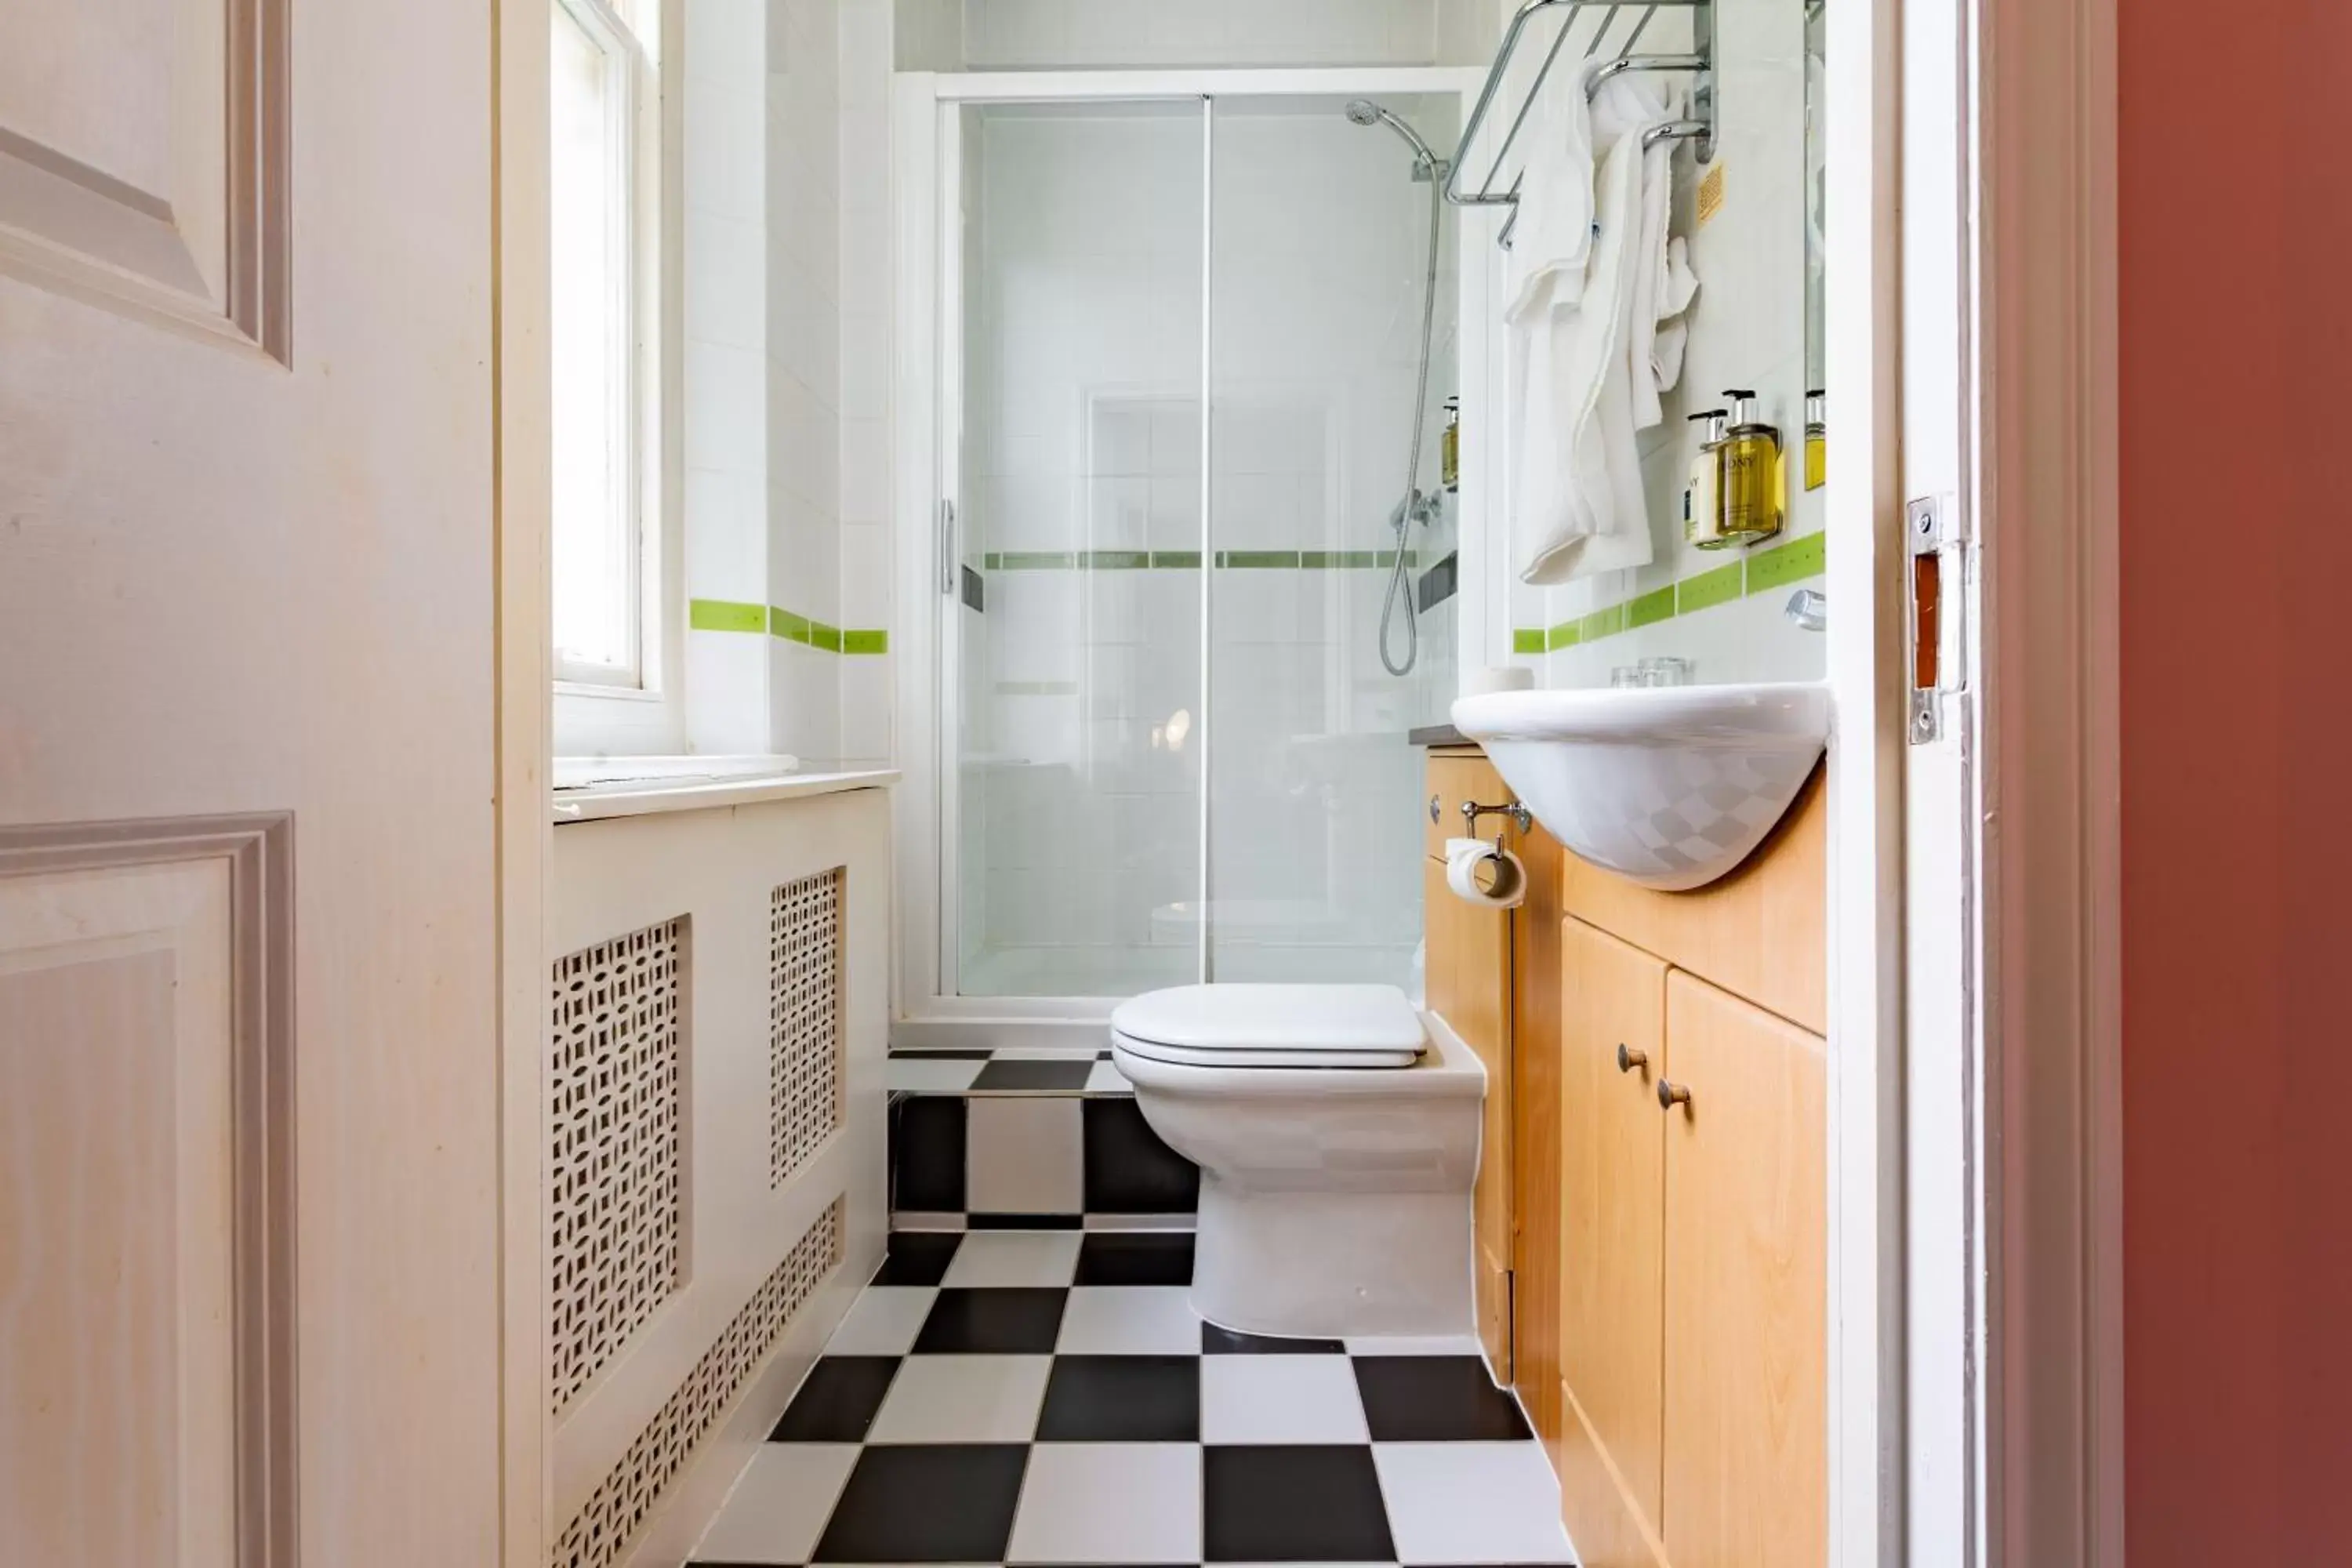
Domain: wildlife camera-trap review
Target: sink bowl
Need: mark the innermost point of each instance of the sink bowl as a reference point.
(1671, 786)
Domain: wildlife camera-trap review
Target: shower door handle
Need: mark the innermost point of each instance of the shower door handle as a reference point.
(947, 548)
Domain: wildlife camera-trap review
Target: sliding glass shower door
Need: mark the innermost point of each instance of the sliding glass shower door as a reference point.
(1176, 753)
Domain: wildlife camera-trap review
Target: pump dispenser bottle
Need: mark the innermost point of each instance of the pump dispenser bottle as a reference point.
(1703, 495)
(1817, 439)
(1752, 475)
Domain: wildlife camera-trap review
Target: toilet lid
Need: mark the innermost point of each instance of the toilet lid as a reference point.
(1274, 1025)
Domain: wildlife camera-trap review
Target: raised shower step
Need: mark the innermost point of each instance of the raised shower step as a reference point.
(1030, 1158)
(1015, 1070)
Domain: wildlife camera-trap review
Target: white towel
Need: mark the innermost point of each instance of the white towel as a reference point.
(1552, 243)
(1589, 360)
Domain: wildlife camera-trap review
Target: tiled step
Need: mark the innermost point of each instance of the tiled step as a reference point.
(1023, 1140)
(1026, 1070)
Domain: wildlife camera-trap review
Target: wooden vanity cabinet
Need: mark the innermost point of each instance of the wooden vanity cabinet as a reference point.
(1667, 1256)
(1612, 1245)
(1747, 1370)
(1469, 984)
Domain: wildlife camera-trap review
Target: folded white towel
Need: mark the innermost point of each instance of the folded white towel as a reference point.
(1579, 400)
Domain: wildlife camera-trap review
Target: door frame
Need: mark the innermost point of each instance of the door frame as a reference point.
(926, 1011)
(1999, 1112)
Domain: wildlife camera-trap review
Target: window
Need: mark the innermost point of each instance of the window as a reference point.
(605, 213)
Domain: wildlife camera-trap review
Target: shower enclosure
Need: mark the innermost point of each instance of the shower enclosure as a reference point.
(1166, 333)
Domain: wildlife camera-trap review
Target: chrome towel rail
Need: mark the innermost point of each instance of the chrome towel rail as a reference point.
(1603, 60)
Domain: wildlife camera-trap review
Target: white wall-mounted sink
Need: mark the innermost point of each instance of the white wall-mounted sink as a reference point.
(1671, 786)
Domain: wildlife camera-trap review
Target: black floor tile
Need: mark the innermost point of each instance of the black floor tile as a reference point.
(1024, 1321)
(1128, 1170)
(1122, 1399)
(1436, 1399)
(1135, 1258)
(919, 1257)
(1033, 1075)
(1302, 1504)
(1215, 1341)
(922, 1504)
(941, 1056)
(1025, 1221)
(837, 1400)
(927, 1153)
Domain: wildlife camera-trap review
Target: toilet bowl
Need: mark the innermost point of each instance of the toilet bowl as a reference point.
(1336, 1134)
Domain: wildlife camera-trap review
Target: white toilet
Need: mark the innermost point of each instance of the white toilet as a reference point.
(1338, 1138)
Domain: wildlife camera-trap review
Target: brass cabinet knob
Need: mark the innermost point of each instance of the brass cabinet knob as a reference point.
(1628, 1058)
(1671, 1095)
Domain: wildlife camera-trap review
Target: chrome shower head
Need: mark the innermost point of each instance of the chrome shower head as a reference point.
(1364, 111)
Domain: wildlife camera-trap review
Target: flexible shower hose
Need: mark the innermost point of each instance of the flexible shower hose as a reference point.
(1410, 508)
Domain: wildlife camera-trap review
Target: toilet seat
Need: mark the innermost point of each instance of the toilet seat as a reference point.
(1237, 1026)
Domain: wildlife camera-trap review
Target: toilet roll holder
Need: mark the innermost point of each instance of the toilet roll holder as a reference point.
(1472, 811)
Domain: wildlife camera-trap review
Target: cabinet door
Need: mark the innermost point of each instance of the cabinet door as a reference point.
(1612, 1198)
(1469, 985)
(1746, 1433)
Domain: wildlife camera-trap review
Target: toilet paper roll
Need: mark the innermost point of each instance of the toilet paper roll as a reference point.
(1480, 873)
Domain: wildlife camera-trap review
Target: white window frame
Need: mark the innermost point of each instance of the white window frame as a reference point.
(603, 709)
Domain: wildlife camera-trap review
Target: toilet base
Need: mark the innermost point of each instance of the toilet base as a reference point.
(1324, 1264)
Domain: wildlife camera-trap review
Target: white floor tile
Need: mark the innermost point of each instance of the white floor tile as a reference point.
(1131, 1320)
(1107, 1079)
(963, 1399)
(1024, 1156)
(883, 1320)
(1471, 1502)
(1401, 1344)
(1280, 1399)
(779, 1507)
(1109, 1502)
(1014, 1257)
(1046, 1053)
(931, 1075)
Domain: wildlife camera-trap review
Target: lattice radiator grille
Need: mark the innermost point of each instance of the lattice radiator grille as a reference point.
(609, 1520)
(804, 1032)
(614, 1148)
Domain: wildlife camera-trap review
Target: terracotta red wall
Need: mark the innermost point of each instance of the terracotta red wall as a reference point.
(2236, 314)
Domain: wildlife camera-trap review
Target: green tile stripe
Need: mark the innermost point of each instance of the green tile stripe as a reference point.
(1708, 589)
(1651, 608)
(1762, 571)
(1786, 564)
(726, 616)
(1190, 560)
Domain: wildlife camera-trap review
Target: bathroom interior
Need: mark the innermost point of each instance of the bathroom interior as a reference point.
(1187, 901)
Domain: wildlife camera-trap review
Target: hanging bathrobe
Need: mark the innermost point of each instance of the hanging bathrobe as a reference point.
(1589, 360)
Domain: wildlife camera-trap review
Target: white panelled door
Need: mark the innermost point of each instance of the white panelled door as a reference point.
(249, 1304)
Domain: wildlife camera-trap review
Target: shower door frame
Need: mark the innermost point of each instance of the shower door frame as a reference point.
(926, 404)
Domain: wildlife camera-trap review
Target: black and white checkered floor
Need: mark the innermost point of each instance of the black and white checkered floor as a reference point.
(1048, 1397)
